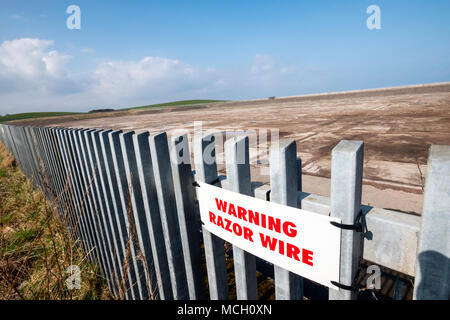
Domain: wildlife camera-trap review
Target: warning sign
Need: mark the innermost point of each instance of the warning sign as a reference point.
(297, 240)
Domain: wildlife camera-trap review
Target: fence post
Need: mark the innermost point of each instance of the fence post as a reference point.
(78, 207)
(48, 174)
(432, 279)
(33, 144)
(346, 188)
(7, 134)
(128, 287)
(56, 178)
(206, 171)
(124, 207)
(284, 190)
(43, 162)
(238, 180)
(59, 186)
(32, 148)
(97, 215)
(188, 215)
(26, 154)
(7, 138)
(106, 200)
(82, 193)
(102, 208)
(30, 151)
(37, 157)
(90, 171)
(88, 198)
(162, 170)
(64, 195)
(2, 136)
(68, 175)
(138, 211)
(151, 206)
(14, 149)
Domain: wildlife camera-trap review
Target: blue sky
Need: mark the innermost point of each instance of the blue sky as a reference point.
(131, 53)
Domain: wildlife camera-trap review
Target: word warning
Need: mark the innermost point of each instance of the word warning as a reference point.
(303, 242)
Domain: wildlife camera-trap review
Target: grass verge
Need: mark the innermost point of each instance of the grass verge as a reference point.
(36, 249)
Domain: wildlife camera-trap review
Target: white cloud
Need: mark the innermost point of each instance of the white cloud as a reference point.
(151, 78)
(26, 64)
(23, 57)
(35, 78)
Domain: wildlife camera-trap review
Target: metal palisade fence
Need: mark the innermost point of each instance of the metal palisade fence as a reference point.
(132, 204)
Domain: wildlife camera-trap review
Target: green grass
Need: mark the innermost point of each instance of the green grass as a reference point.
(34, 115)
(175, 104)
(35, 246)
(30, 115)
(25, 235)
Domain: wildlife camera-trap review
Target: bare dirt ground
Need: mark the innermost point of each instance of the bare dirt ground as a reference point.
(397, 125)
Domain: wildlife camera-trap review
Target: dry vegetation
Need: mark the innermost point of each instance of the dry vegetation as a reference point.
(35, 247)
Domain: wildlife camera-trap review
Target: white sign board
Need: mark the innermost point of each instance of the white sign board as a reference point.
(297, 240)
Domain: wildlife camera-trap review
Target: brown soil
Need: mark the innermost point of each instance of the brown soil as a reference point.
(397, 125)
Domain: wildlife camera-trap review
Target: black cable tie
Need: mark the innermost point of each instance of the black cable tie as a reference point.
(355, 286)
(195, 184)
(357, 226)
(345, 287)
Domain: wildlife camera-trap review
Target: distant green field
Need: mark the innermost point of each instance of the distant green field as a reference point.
(29, 115)
(175, 103)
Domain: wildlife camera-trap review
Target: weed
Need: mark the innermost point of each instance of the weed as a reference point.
(36, 248)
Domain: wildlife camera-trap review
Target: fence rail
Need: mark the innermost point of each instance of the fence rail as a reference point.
(132, 204)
